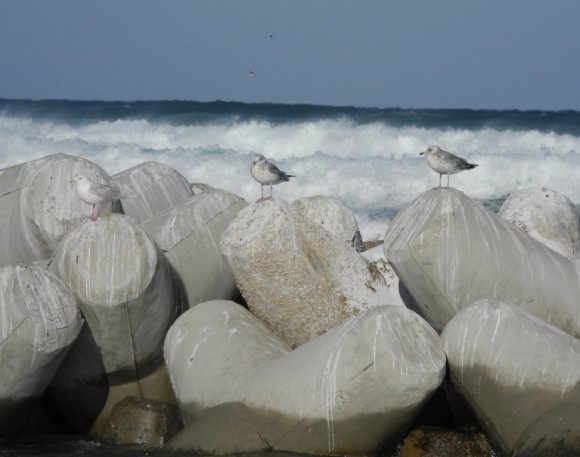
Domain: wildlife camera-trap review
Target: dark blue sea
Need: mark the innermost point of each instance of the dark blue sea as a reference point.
(366, 157)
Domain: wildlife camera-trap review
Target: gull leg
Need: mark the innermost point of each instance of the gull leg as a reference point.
(447, 181)
(440, 175)
(93, 217)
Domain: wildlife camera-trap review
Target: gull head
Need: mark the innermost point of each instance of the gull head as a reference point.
(430, 150)
(79, 178)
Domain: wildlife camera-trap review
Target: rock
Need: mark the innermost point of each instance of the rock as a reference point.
(520, 375)
(144, 422)
(129, 296)
(189, 234)
(546, 215)
(350, 391)
(435, 442)
(38, 205)
(39, 321)
(334, 217)
(296, 277)
(211, 348)
(450, 251)
(156, 187)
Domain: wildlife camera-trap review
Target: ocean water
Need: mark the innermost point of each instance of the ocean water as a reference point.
(366, 157)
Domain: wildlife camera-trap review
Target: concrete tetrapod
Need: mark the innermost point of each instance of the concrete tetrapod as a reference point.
(38, 205)
(520, 375)
(350, 391)
(450, 251)
(548, 216)
(189, 234)
(336, 218)
(295, 276)
(211, 348)
(129, 295)
(156, 187)
(39, 321)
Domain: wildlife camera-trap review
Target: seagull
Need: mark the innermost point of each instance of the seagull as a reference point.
(267, 173)
(95, 193)
(445, 163)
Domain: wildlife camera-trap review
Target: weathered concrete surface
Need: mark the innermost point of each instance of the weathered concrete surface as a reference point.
(546, 215)
(211, 348)
(129, 296)
(144, 422)
(189, 234)
(38, 205)
(337, 219)
(520, 375)
(156, 187)
(348, 392)
(397, 293)
(296, 277)
(39, 321)
(450, 251)
(225, 429)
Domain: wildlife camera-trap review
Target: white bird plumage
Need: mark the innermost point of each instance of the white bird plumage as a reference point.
(445, 163)
(95, 193)
(267, 173)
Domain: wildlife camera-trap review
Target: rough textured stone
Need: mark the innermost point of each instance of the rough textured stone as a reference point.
(296, 277)
(546, 215)
(189, 234)
(334, 217)
(156, 187)
(144, 422)
(39, 321)
(520, 375)
(449, 251)
(435, 442)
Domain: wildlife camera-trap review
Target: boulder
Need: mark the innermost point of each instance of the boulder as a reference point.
(436, 442)
(546, 215)
(38, 205)
(147, 423)
(156, 187)
(449, 251)
(520, 375)
(334, 217)
(189, 234)
(39, 321)
(351, 391)
(129, 295)
(295, 276)
(211, 348)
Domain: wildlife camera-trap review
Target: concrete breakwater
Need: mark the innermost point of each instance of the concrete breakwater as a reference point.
(323, 356)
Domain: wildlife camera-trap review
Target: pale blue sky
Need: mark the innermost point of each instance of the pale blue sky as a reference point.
(522, 54)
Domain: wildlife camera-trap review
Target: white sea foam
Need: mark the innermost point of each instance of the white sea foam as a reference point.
(373, 168)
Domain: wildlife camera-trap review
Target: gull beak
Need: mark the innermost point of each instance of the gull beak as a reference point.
(421, 153)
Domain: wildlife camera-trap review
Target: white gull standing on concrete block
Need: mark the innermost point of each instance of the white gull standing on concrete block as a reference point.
(267, 173)
(95, 193)
(445, 163)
